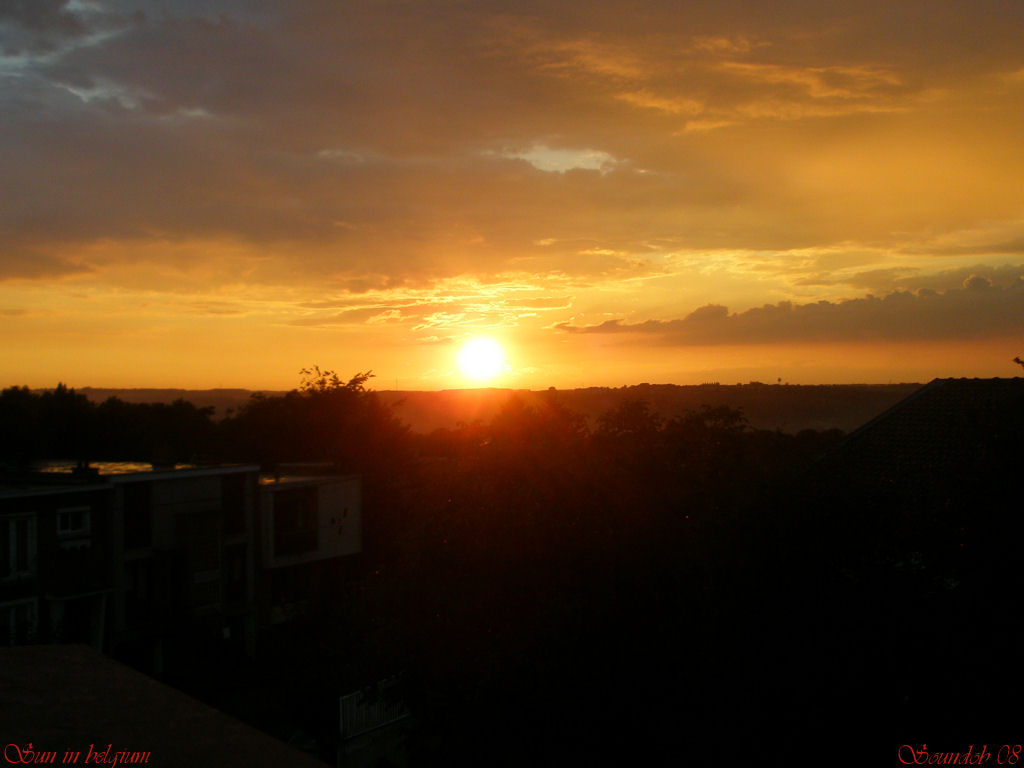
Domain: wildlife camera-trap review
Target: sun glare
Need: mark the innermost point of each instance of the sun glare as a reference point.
(481, 359)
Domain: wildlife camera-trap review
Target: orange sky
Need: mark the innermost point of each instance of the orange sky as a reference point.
(201, 194)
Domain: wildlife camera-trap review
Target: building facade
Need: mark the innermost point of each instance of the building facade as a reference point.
(162, 566)
(310, 526)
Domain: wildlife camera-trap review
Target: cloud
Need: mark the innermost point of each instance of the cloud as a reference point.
(914, 279)
(23, 264)
(841, 83)
(1005, 247)
(36, 24)
(486, 305)
(545, 158)
(977, 310)
(351, 317)
(217, 308)
(369, 144)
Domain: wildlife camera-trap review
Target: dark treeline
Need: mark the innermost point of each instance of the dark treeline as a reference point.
(326, 419)
(558, 591)
(63, 424)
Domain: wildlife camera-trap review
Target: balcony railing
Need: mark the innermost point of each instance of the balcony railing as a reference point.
(359, 714)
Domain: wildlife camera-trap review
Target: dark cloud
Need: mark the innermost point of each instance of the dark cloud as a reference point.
(914, 279)
(384, 142)
(23, 264)
(872, 279)
(36, 25)
(977, 310)
(1002, 248)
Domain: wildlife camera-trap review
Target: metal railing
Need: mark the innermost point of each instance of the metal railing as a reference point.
(360, 714)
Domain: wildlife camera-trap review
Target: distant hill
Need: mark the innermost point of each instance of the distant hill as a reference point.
(785, 407)
(222, 400)
(789, 408)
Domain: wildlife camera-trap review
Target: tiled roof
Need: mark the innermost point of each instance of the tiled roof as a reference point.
(945, 422)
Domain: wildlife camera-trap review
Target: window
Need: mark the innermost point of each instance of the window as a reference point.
(138, 597)
(233, 502)
(17, 547)
(138, 515)
(17, 622)
(295, 521)
(235, 572)
(73, 522)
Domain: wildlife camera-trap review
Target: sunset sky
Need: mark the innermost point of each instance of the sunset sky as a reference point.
(219, 193)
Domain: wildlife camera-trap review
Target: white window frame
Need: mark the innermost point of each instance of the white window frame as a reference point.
(75, 533)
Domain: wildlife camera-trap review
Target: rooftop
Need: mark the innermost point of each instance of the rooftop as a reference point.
(64, 698)
(945, 421)
(63, 476)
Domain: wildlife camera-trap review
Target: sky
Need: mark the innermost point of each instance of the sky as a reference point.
(221, 193)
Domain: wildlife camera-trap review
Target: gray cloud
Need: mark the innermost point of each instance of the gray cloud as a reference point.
(36, 25)
(370, 143)
(23, 264)
(908, 278)
(976, 310)
(1005, 247)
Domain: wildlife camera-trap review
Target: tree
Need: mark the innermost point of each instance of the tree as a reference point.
(317, 382)
(325, 419)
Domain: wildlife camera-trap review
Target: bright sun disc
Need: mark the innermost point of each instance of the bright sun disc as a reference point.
(481, 359)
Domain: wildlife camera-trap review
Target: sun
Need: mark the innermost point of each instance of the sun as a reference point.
(481, 359)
